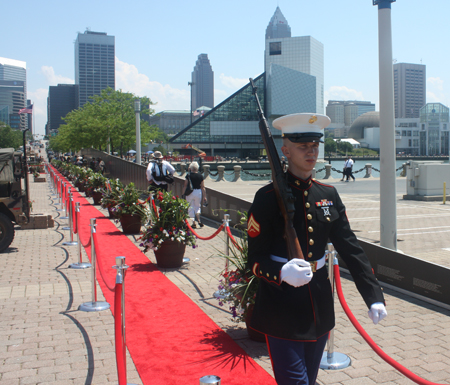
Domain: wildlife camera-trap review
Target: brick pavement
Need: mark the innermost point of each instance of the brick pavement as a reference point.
(47, 340)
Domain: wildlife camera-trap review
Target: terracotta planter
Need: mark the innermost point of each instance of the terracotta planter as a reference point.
(170, 254)
(97, 197)
(131, 223)
(88, 191)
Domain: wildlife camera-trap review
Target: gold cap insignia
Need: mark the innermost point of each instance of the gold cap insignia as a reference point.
(313, 119)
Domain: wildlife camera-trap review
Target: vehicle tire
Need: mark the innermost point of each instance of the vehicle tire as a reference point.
(6, 232)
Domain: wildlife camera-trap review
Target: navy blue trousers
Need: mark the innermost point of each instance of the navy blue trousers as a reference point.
(296, 362)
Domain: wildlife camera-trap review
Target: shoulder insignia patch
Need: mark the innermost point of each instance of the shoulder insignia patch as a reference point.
(253, 227)
(324, 203)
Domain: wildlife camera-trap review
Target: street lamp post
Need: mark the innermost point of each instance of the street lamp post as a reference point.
(191, 84)
(388, 205)
(137, 110)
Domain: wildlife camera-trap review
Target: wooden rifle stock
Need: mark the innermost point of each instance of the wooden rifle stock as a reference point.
(283, 192)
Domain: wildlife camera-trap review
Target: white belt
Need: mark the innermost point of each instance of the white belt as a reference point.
(315, 265)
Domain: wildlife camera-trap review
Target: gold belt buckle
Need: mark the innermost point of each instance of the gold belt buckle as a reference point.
(313, 266)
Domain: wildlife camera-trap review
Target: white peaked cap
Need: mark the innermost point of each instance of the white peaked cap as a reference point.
(302, 127)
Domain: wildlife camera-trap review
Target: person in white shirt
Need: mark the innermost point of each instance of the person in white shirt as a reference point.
(155, 178)
(349, 168)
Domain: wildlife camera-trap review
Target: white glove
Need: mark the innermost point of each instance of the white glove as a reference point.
(297, 272)
(377, 312)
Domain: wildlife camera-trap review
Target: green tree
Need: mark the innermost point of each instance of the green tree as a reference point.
(109, 118)
(330, 145)
(344, 147)
(10, 137)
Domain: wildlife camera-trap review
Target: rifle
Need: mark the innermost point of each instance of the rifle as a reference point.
(283, 192)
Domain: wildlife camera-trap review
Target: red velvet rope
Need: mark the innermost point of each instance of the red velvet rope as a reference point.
(232, 238)
(110, 287)
(89, 241)
(118, 331)
(369, 340)
(204, 238)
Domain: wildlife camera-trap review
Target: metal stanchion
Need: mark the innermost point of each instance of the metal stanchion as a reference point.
(210, 380)
(226, 222)
(121, 267)
(331, 359)
(66, 216)
(94, 305)
(70, 227)
(60, 198)
(80, 264)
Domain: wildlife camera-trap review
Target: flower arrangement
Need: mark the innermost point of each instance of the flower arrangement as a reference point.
(96, 181)
(128, 202)
(167, 222)
(238, 284)
(110, 192)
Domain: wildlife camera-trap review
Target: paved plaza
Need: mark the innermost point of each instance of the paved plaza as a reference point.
(47, 340)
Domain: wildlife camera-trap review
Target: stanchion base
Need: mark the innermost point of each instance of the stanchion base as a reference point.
(68, 228)
(94, 306)
(59, 210)
(74, 243)
(186, 260)
(220, 294)
(80, 265)
(335, 361)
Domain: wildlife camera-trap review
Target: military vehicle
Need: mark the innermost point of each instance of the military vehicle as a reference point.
(14, 200)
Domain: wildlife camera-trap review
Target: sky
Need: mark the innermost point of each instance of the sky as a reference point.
(157, 44)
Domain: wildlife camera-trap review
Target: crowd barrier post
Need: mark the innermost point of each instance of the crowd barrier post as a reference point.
(210, 380)
(70, 227)
(119, 321)
(80, 264)
(66, 206)
(331, 359)
(60, 197)
(226, 223)
(445, 193)
(69, 211)
(53, 193)
(94, 305)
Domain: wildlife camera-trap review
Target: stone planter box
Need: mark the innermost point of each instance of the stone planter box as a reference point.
(39, 179)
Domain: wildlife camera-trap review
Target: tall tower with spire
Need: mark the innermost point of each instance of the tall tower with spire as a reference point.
(202, 83)
(278, 26)
(286, 58)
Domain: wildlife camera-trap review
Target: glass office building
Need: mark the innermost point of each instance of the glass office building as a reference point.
(202, 83)
(434, 129)
(94, 64)
(13, 92)
(62, 99)
(409, 89)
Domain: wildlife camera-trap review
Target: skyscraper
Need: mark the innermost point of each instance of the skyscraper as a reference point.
(409, 89)
(13, 92)
(278, 26)
(202, 86)
(94, 64)
(303, 54)
(62, 99)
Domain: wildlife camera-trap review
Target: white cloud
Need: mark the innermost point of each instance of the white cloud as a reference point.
(53, 79)
(39, 100)
(342, 93)
(129, 79)
(436, 92)
(230, 82)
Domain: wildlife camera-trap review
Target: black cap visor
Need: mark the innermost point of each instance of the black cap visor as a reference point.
(304, 137)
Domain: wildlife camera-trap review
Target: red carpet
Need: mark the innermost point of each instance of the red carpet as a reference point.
(171, 340)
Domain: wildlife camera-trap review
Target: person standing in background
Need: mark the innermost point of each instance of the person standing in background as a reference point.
(198, 194)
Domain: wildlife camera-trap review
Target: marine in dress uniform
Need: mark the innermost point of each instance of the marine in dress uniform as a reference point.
(294, 303)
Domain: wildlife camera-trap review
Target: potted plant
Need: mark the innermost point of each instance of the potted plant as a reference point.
(238, 284)
(130, 210)
(167, 233)
(95, 182)
(110, 195)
